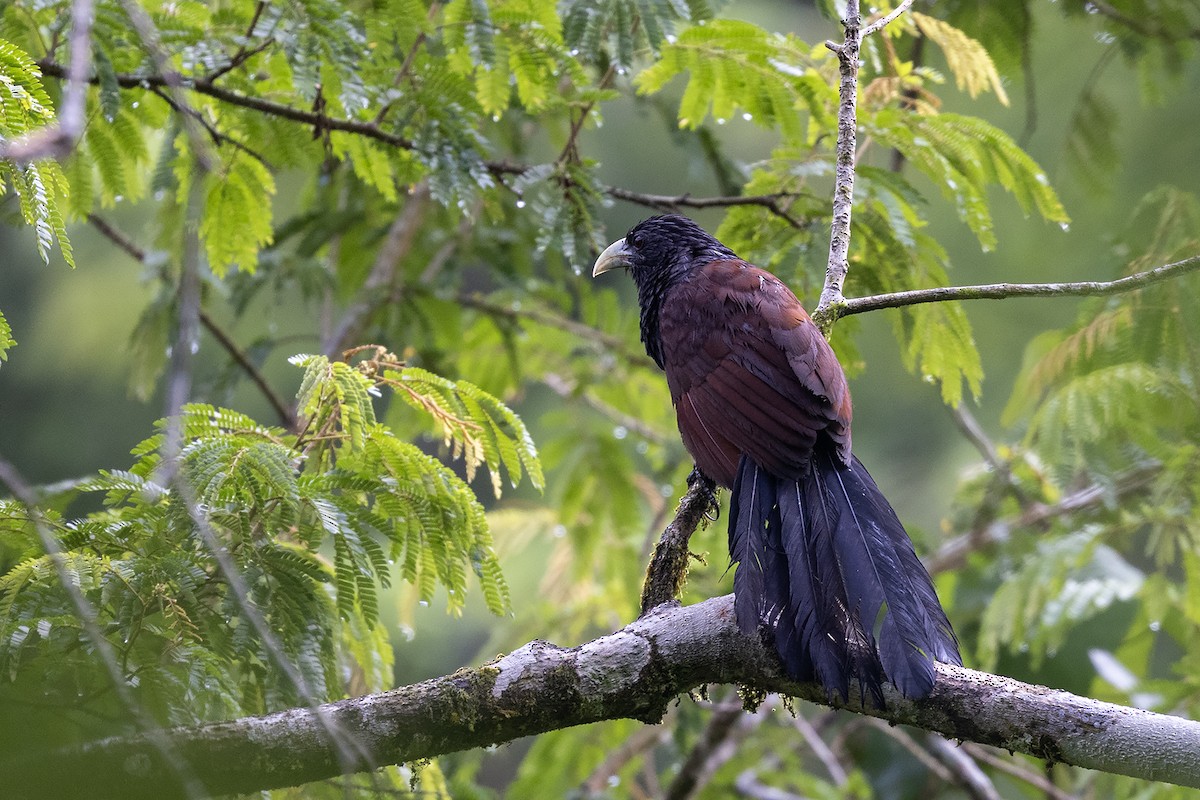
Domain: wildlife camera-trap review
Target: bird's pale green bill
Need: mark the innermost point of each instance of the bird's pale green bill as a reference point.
(616, 255)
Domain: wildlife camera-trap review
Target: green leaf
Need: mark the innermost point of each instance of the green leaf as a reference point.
(736, 67)
(6, 340)
(237, 213)
(940, 348)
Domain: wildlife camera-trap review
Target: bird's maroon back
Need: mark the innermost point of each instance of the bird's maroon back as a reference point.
(750, 373)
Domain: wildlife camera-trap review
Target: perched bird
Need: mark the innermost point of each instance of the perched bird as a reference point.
(825, 568)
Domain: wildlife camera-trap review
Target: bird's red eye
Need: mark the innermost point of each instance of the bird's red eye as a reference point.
(633, 240)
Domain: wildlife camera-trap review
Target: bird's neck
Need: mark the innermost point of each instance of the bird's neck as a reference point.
(652, 291)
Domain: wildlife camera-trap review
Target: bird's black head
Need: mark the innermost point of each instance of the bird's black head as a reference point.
(662, 248)
(659, 252)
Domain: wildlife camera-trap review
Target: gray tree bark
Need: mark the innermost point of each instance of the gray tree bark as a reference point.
(632, 673)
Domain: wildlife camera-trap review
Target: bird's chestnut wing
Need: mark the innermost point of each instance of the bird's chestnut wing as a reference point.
(750, 373)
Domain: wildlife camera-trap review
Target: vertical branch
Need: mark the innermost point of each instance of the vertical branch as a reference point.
(829, 307)
(59, 140)
(843, 187)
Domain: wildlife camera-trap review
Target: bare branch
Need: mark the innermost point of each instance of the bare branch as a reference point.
(58, 141)
(568, 389)
(1015, 769)
(843, 186)
(906, 740)
(954, 553)
(401, 236)
(823, 752)
(617, 344)
(1003, 291)
(748, 785)
(886, 20)
(725, 731)
(633, 673)
(642, 740)
(172, 80)
(967, 773)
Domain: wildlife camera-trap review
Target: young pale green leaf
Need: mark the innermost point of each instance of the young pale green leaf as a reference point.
(941, 349)
(967, 58)
(237, 213)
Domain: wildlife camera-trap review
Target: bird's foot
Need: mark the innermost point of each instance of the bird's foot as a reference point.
(712, 508)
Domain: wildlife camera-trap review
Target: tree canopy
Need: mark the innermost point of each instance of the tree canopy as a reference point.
(354, 245)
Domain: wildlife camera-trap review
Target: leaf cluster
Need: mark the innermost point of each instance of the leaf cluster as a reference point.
(314, 525)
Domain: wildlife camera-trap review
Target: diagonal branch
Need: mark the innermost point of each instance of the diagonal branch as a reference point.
(775, 203)
(287, 417)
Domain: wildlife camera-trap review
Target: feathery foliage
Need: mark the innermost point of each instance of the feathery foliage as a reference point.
(315, 524)
(41, 188)
(436, 177)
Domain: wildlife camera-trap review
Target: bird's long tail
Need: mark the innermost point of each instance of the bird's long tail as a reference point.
(826, 568)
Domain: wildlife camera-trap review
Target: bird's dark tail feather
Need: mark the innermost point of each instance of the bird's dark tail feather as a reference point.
(827, 569)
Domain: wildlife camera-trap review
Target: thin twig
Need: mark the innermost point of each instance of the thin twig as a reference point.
(954, 553)
(748, 785)
(567, 388)
(1002, 291)
(820, 749)
(218, 138)
(642, 740)
(57, 141)
(371, 130)
(1141, 25)
(771, 202)
(243, 54)
(118, 238)
(886, 20)
(727, 728)
(975, 434)
(967, 773)
(616, 344)
(570, 151)
(397, 244)
(286, 416)
(1013, 767)
(187, 336)
(905, 740)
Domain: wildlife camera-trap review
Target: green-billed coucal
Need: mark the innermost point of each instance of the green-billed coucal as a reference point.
(825, 568)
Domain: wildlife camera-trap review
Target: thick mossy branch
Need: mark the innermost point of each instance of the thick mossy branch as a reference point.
(668, 565)
(633, 673)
